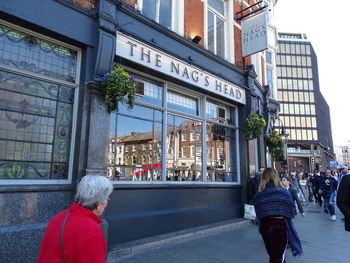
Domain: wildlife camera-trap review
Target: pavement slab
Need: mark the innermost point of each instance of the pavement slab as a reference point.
(323, 241)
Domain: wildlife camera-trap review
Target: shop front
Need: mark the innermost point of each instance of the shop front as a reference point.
(175, 156)
(177, 159)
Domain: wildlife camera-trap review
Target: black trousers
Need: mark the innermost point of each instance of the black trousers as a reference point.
(274, 234)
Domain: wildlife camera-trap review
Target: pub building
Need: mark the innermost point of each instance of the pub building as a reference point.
(178, 159)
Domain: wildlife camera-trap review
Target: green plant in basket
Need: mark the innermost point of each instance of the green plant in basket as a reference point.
(119, 86)
(276, 146)
(254, 126)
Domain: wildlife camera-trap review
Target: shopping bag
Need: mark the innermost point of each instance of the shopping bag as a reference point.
(249, 212)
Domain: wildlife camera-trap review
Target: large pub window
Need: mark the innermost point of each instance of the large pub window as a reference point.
(37, 80)
(166, 138)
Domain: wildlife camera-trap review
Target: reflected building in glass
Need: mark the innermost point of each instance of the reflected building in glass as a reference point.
(304, 111)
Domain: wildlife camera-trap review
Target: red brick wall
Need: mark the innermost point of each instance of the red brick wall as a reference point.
(87, 4)
(238, 48)
(194, 19)
(130, 2)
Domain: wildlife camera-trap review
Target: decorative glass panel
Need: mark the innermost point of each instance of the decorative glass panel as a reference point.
(21, 50)
(181, 164)
(35, 128)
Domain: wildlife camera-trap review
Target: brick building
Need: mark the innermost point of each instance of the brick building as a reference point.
(178, 159)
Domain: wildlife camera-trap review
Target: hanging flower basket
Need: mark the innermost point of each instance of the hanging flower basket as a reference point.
(119, 86)
(276, 146)
(254, 126)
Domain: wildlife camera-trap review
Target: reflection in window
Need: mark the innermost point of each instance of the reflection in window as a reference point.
(268, 57)
(151, 92)
(217, 112)
(182, 103)
(219, 153)
(181, 164)
(138, 137)
(216, 27)
(158, 10)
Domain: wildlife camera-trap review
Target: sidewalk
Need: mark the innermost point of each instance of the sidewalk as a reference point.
(324, 241)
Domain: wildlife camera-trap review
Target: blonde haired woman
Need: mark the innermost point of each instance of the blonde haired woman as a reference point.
(275, 209)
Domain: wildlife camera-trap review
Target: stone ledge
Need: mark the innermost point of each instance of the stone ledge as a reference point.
(146, 244)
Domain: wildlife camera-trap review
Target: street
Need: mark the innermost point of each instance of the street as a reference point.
(324, 241)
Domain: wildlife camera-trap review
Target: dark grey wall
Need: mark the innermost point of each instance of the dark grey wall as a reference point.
(135, 213)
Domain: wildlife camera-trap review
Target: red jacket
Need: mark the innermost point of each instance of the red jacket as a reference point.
(84, 241)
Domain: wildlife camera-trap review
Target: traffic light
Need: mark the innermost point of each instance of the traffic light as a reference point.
(313, 160)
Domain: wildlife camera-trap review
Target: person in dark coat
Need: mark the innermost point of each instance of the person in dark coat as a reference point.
(275, 209)
(317, 184)
(252, 186)
(287, 184)
(328, 190)
(343, 199)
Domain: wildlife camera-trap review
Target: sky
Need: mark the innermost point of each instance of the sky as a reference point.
(327, 26)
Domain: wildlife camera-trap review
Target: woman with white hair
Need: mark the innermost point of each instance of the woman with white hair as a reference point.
(74, 235)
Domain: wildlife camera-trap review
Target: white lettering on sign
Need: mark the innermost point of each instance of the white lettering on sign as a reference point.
(150, 57)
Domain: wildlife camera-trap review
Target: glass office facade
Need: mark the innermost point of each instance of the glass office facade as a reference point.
(296, 92)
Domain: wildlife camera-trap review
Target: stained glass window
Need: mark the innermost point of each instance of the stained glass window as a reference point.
(21, 50)
(35, 128)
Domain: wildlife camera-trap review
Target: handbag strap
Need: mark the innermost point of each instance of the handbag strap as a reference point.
(61, 236)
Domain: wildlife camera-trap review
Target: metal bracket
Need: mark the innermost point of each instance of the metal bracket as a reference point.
(239, 18)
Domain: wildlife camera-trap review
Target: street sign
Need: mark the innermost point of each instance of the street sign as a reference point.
(333, 164)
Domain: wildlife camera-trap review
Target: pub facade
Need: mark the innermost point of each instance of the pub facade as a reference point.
(177, 159)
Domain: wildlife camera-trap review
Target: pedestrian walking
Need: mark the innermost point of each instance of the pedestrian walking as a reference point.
(343, 170)
(328, 189)
(74, 235)
(253, 185)
(296, 182)
(343, 199)
(287, 184)
(275, 209)
(317, 183)
(309, 181)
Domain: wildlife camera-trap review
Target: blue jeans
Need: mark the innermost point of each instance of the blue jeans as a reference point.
(329, 202)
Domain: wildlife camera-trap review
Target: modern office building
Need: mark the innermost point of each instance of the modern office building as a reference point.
(177, 160)
(304, 112)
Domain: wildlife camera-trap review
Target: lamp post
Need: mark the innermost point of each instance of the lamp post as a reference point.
(285, 135)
